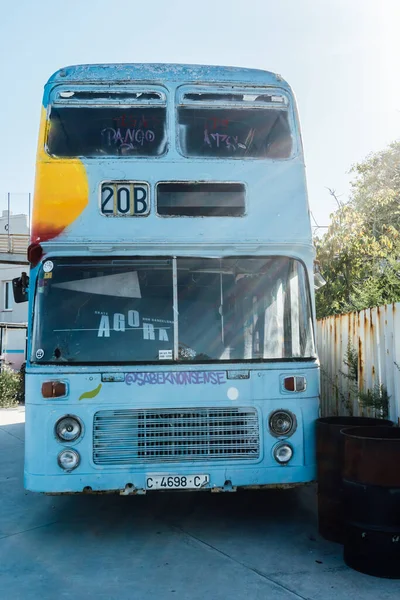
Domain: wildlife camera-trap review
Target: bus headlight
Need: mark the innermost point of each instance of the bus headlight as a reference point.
(68, 428)
(282, 423)
(283, 453)
(68, 459)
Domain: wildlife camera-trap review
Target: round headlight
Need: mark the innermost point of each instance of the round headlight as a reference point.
(282, 423)
(283, 453)
(68, 459)
(68, 429)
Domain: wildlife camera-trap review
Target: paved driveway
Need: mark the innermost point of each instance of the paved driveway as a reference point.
(253, 545)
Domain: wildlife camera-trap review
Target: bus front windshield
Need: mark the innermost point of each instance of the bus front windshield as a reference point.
(152, 310)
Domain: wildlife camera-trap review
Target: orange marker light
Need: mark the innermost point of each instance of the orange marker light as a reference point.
(289, 383)
(54, 389)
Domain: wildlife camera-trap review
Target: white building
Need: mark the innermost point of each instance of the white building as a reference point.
(13, 224)
(14, 239)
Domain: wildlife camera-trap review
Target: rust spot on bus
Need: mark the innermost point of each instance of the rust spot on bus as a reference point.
(360, 364)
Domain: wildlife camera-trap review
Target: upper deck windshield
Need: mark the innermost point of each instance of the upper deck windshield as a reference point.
(92, 123)
(131, 311)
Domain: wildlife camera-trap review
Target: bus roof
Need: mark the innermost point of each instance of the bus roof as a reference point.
(159, 72)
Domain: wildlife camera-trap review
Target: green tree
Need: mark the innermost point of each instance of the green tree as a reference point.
(360, 253)
(10, 384)
(376, 189)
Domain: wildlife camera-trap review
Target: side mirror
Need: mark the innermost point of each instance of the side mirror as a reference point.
(20, 288)
(319, 281)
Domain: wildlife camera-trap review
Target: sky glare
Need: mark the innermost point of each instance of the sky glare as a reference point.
(340, 56)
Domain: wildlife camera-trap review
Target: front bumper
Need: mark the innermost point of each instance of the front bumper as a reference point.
(221, 479)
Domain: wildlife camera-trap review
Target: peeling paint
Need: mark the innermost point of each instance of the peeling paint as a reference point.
(159, 72)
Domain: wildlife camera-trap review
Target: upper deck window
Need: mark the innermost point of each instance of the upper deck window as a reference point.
(234, 125)
(94, 123)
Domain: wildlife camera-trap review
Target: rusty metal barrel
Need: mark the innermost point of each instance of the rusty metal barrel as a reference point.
(371, 492)
(329, 472)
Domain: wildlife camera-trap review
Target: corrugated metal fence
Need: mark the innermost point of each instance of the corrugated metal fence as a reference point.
(374, 337)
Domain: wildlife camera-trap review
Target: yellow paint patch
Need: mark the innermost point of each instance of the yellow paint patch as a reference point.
(61, 191)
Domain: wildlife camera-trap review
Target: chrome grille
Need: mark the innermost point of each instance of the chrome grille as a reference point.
(122, 437)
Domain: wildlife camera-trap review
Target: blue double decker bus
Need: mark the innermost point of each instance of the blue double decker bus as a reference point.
(171, 306)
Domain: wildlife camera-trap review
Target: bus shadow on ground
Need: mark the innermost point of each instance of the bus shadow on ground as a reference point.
(280, 512)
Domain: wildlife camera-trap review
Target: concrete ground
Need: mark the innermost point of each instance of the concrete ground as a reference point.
(253, 545)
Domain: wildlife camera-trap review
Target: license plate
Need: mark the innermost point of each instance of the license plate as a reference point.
(176, 482)
(125, 199)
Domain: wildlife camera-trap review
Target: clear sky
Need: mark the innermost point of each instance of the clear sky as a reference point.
(342, 58)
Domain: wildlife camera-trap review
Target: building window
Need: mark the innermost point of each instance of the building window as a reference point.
(7, 295)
